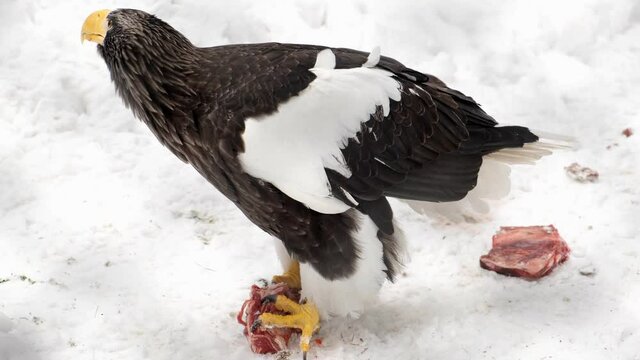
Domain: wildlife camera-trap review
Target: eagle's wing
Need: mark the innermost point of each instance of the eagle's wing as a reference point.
(292, 147)
(367, 128)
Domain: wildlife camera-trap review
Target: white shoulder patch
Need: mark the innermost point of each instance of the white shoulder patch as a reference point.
(326, 60)
(291, 147)
(373, 59)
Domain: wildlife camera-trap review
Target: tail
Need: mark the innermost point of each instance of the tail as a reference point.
(497, 148)
(543, 144)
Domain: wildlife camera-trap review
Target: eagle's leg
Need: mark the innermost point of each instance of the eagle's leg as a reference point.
(291, 277)
(301, 316)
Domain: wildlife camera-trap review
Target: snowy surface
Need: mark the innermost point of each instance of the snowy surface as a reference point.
(110, 248)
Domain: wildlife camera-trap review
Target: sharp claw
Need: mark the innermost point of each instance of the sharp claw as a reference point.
(304, 344)
(256, 325)
(269, 299)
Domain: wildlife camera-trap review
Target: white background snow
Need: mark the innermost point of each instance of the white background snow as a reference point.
(110, 248)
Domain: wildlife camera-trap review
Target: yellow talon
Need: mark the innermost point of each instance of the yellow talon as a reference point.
(291, 277)
(302, 316)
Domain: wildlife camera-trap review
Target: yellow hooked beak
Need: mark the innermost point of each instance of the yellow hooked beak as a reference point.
(95, 27)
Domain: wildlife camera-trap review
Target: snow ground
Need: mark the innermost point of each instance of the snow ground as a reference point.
(110, 248)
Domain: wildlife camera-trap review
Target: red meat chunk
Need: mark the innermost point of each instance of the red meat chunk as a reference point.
(530, 252)
(265, 340)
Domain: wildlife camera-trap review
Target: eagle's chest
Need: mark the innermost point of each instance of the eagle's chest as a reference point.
(263, 204)
(323, 240)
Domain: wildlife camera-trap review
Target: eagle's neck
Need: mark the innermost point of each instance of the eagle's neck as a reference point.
(153, 76)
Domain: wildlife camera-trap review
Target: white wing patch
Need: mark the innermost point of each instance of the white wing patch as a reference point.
(291, 147)
(325, 60)
(373, 59)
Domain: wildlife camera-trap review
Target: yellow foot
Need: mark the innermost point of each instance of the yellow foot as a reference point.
(291, 277)
(302, 316)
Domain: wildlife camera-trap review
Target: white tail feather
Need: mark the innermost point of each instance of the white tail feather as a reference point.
(555, 141)
(529, 153)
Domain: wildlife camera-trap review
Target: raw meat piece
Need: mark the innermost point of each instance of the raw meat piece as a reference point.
(627, 132)
(530, 252)
(581, 173)
(264, 340)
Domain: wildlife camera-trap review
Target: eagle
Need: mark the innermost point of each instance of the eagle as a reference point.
(309, 142)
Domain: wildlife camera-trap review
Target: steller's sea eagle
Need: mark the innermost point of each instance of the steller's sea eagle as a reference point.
(309, 142)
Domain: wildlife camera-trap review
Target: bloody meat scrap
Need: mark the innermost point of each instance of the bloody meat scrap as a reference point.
(581, 173)
(530, 252)
(265, 340)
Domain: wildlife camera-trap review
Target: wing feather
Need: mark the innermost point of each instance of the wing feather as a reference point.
(291, 147)
(356, 133)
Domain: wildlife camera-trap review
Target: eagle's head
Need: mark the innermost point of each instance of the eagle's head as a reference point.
(130, 29)
(149, 60)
